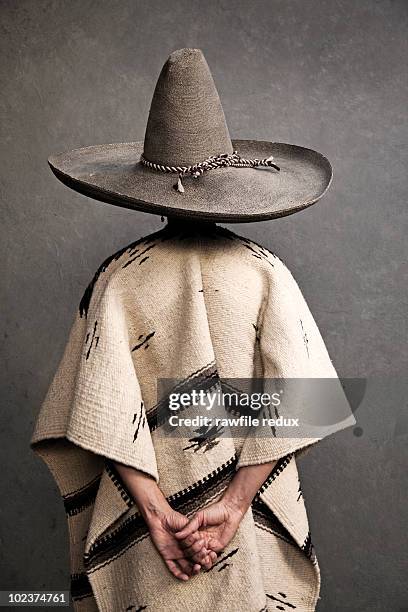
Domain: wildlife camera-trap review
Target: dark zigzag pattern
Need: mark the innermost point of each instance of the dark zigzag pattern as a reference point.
(265, 519)
(277, 469)
(114, 476)
(204, 378)
(78, 500)
(80, 586)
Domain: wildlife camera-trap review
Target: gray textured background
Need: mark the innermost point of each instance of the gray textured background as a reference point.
(330, 75)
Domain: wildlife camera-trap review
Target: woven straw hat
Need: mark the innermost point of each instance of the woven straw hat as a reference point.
(189, 166)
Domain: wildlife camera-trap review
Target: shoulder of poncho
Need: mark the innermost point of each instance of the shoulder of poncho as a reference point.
(110, 273)
(275, 267)
(109, 267)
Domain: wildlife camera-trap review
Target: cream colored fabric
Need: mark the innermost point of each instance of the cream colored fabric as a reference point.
(197, 307)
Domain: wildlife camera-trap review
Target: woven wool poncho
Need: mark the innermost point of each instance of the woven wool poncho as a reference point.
(195, 306)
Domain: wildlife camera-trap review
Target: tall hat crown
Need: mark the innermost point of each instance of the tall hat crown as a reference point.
(186, 121)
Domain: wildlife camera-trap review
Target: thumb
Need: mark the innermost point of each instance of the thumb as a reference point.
(193, 525)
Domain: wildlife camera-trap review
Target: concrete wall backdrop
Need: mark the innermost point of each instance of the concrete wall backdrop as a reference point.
(328, 75)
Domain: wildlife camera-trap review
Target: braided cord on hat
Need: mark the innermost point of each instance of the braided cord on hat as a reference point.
(215, 161)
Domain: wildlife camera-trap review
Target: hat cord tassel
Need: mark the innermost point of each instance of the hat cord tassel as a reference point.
(179, 185)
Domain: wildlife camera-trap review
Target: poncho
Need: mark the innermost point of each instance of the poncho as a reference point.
(195, 306)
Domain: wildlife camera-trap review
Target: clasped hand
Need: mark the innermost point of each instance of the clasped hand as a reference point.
(189, 545)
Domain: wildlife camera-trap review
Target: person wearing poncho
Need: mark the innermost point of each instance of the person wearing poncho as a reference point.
(197, 304)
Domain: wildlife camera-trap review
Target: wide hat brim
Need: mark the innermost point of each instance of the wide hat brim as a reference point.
(112, 173)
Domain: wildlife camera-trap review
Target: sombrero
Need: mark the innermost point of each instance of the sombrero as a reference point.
(188, 165)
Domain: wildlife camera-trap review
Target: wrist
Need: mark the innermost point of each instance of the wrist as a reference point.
(146, 493)
(236, 501)
(151, 502)
(245, 485)
(153, 509)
